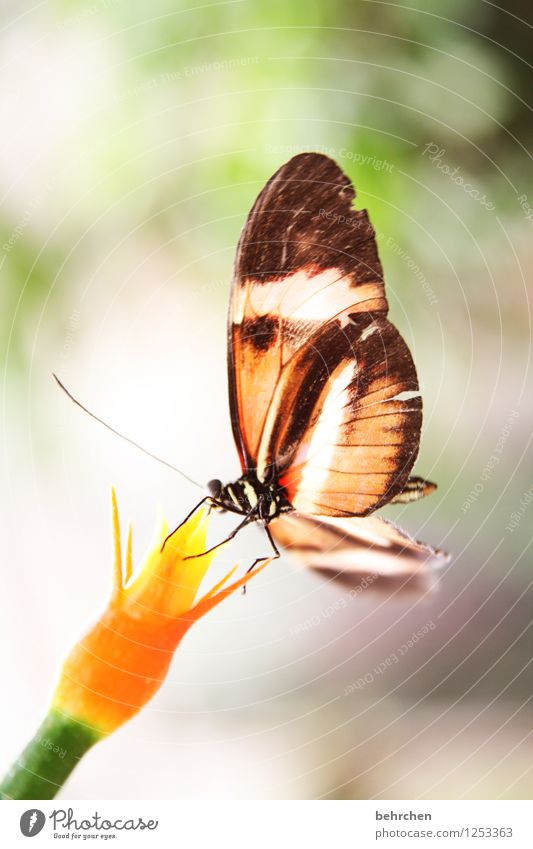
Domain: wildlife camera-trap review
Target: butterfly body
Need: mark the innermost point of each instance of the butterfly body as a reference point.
(250, 497)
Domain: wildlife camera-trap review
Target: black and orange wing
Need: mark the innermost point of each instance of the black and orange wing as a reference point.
(359, 552)
(315, 368)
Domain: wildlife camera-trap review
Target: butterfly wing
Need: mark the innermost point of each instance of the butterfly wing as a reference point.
(315, 368)
(355, 550)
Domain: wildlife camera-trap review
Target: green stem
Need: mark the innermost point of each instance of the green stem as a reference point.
(48, 759)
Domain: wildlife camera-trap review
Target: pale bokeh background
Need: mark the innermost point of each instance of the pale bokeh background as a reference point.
(135, 138)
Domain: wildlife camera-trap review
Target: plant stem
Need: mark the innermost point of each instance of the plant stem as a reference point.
(47, 761)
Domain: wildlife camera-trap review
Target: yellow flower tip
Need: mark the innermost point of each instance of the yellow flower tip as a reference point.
(210, 600)
(117, 546)
(218, 586)
(122, 661)
(128, 564)
(121, 571)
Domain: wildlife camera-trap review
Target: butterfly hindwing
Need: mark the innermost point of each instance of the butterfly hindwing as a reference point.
(370, 552)
(360, 442)
(315, 368)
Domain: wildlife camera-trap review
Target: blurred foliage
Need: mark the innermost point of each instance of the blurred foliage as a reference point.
(164, 117)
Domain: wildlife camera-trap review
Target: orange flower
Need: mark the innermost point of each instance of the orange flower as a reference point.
(122, 661)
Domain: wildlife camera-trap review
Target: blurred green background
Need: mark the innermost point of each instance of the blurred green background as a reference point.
(135, 138)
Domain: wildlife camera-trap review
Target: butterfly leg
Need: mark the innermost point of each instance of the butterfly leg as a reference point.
(250, 517)
(272, 543)
(188, 516)
(262, 559)
(275, 549)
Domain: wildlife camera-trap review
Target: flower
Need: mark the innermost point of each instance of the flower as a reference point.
(121, 662)
(113, 671)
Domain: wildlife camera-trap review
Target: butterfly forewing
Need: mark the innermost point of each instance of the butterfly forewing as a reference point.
(315, 368)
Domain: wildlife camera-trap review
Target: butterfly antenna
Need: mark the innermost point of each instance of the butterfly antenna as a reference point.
(126, 438)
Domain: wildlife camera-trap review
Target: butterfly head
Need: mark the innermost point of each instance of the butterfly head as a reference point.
(215, 488)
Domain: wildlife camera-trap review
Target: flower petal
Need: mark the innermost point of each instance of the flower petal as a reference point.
(209, 601)
(117, 546)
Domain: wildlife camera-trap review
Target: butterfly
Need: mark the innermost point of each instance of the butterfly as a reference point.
(323, 391)
(324, 398)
